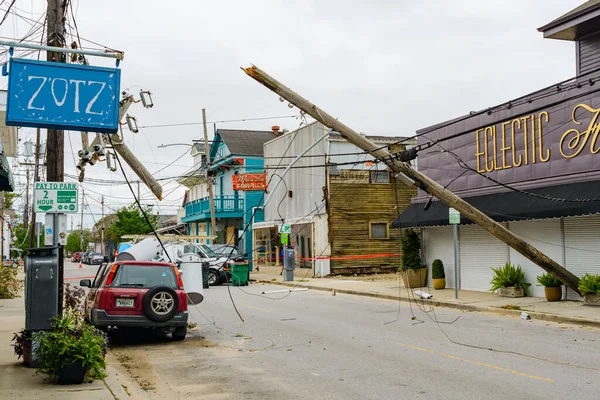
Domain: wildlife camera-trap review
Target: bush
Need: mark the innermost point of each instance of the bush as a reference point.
(437, 270)
(508, 276)
(411, 247)
(72, 340)
(589, 284)
(548, 280)
(10, 285)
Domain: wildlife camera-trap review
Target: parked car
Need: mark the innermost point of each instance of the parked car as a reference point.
(224, 250)
(95, 259)
(227, 252)
(76, 257)
(138, 294)
(85, 257)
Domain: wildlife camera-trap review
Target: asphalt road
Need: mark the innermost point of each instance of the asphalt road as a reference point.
(312, 345)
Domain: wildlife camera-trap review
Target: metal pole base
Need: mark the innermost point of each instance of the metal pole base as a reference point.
(288, 276)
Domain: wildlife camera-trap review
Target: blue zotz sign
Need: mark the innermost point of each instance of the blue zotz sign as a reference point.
(44, 94)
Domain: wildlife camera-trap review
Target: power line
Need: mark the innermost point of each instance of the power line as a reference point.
(217, 122)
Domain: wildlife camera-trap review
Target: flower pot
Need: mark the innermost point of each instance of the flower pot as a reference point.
(512, 292)
(553, 293)
(592, 299)
(414, 278)
(439, 284)
(71, 374)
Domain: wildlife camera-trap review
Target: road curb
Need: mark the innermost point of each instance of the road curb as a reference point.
(458, 306)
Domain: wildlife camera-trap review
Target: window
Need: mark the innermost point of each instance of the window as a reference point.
(379, 230)
(145, 276)
(379, 177)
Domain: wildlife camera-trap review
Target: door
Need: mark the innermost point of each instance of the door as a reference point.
(479, 251)
(582, 245)
(230, 235)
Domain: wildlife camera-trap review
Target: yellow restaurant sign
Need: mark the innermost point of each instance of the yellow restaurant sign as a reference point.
(497, 145)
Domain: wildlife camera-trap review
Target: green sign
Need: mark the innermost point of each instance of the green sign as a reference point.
(285, 228)
(55, 197)
(285, 238)
(454, 216)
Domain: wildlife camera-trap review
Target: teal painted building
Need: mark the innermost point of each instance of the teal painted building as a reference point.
(233, 152)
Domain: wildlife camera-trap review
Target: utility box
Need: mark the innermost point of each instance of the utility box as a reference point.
(42, 287)
(289, 263)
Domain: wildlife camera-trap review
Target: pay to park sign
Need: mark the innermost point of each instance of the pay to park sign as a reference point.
(51, 95)
(55, 197)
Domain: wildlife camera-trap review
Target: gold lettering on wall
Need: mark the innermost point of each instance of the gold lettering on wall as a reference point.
(579, 139)
(541, 135)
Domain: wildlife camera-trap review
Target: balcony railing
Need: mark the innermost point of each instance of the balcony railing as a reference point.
(223, 204)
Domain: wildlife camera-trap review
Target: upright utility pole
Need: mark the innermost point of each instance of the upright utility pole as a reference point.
(420, 180)
(81, 225)
(36, 178)
(56, 138)
(2, 229)
(102, 227)
(213, 222)
(26, 211)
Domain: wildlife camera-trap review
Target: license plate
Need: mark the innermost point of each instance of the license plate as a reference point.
(124, 302)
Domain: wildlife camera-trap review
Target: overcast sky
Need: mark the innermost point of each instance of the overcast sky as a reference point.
(382, 67)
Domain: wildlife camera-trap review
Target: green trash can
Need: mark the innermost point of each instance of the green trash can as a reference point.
(239, 274)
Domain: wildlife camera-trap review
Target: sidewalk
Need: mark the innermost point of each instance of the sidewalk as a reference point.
(389, 286)
(20, 382)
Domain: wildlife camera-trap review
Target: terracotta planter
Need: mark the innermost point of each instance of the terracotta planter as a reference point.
(439, 284)
(553, 293)
(511, 292)
(414, 278)
(592, 300)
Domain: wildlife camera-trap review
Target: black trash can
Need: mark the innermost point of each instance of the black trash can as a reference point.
(205, 266)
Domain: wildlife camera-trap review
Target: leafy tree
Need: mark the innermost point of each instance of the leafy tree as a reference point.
(9, 199)
(130, 221)
(21, 233)
(75, 243)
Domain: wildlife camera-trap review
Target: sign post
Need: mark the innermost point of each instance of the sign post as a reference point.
(55, 199)
(454, 217)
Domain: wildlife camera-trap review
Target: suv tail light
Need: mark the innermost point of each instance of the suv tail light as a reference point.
(179, 281)
(111, 275)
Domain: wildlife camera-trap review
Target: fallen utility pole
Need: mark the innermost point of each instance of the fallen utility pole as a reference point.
(421, 181)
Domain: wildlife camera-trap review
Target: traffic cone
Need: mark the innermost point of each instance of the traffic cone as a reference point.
(80, 266)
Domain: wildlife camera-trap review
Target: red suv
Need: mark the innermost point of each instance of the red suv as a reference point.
(138, 294)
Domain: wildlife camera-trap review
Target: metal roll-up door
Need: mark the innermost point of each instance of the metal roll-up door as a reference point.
(582, 247)
(479, 251)
(438, 244)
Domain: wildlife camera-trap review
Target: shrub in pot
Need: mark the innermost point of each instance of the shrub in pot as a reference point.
(438, 275)
(509, 281)
(21, 343)
(589, 286)
(72, 351)
(414, 273)
(552, 287)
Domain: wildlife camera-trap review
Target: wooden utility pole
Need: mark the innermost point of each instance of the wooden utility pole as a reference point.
(26, 211)
(422, 181)
(36, 178)
(211, 197)
(81, 225)
(2, 229)
(102, 227)
(55, 158)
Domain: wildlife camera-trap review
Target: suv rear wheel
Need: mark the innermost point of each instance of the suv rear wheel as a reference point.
(160, 303)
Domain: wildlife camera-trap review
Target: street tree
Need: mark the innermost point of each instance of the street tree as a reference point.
(130, 221)
(78, 240)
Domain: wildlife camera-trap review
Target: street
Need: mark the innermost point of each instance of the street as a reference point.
(313, 345)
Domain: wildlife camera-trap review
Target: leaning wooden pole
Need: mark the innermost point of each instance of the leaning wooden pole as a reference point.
(421, 180)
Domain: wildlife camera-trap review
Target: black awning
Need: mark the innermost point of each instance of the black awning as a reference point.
(511, 206)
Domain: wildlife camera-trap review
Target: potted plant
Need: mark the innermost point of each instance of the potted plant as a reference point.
(438, 275)
(412, 269)
(22, 345)
(552, 287)
(509, 281)
(589, 286)
(72, 351)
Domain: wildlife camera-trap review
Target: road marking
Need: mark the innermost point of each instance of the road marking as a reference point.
(478, 363)
(256, 308)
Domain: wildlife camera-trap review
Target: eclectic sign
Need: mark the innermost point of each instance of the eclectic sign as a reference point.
(250, 182)
(55, 197)
(52, 95)
(521, 141)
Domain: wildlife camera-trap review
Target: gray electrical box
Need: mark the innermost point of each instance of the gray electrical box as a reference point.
(289, 263)
(42, 287)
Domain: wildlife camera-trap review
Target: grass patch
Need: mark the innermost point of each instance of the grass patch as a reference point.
(511, 307)
(239, 335)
